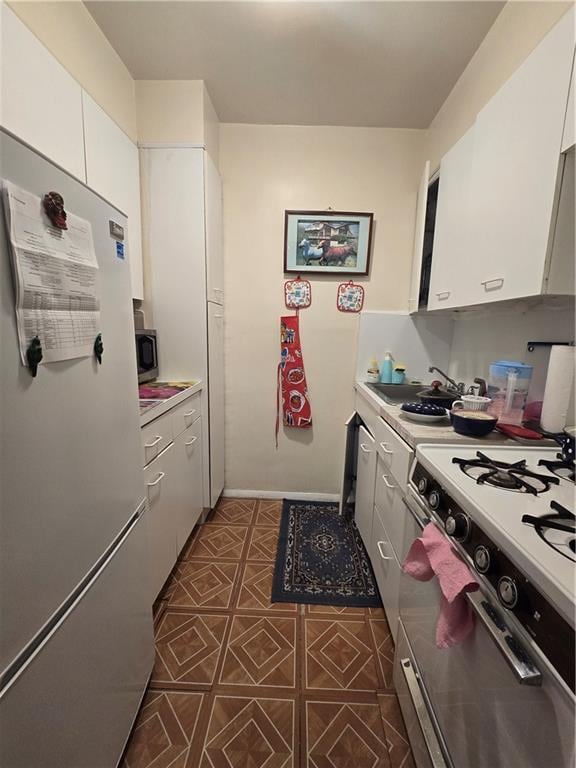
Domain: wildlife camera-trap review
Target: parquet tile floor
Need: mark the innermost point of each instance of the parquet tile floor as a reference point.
(239, 682)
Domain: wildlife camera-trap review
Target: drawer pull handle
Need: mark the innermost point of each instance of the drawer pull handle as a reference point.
(218, 290)
(219, 317)
(155, 482)
(381, 550)
(154, 442)
(421, 711)
(387, 483)
(442, 295)
(191, 441)
(364, 448)
(190, 413)
(494, 284)
(385, 448)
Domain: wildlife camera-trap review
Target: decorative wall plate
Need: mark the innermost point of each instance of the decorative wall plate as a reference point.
(297, 293)
(350, 297)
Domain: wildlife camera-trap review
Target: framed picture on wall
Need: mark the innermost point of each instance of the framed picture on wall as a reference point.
(327, 242)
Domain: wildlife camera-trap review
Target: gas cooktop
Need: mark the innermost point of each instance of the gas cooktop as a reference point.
(515, 497)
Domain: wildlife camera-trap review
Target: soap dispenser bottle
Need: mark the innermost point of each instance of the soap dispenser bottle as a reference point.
(387, 368)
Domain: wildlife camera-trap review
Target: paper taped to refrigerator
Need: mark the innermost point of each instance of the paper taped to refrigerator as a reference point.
(55, 277)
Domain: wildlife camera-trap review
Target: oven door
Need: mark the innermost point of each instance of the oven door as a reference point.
(484, 714)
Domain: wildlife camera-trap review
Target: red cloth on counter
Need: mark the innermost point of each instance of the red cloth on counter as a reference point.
(432, 555)
(296, 410)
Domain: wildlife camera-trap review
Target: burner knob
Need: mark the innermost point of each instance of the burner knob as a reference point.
(422, 485)
(434, 499)
(508, 592)
(458, 526)
(482, 559)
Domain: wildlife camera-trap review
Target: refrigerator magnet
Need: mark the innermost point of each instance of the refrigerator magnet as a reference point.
(53, 204)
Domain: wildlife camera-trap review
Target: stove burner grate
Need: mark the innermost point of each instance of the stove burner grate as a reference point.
(508, 476)
(557, 529)
(562, 468)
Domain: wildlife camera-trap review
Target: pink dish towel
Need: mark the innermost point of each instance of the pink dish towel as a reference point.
(432, 555)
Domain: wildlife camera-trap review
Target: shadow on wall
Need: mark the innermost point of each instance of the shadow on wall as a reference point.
(302, 436)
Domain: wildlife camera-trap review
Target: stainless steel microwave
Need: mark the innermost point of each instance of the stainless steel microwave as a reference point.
(146, 355)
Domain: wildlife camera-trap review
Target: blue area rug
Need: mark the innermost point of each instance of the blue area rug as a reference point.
(321, 559)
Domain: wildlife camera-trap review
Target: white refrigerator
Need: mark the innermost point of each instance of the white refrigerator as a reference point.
(76, 640)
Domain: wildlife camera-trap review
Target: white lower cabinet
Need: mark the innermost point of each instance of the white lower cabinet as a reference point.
(386, 569)
(383, 464)
(365, 479)
(161, 481)
(174, 482)
(187, 482)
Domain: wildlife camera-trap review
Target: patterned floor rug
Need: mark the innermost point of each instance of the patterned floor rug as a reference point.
(321, 559)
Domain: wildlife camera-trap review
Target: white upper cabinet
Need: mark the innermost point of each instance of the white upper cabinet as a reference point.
(214, 247)
(451, 254)
(517, 143)
(112, 170)
(419, 239)
(40, 102)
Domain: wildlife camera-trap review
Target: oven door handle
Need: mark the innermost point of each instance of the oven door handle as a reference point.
(515, 655)
(424, 720)
(421, 520)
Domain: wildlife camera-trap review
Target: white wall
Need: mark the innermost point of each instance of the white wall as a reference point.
(416, 341)
(267, 169)
(501, 333)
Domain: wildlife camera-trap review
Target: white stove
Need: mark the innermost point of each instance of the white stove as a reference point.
(483, 696)
(498, 511)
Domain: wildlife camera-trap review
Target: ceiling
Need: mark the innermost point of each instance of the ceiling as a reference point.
(353, 63)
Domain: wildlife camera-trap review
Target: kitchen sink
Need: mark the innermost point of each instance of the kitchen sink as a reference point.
(396, 394)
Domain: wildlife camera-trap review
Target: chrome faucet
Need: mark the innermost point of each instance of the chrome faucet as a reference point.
(454, 386)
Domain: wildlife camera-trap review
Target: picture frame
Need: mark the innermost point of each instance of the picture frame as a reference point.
(327, 242)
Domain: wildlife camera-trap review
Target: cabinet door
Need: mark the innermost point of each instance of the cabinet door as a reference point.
(419, 239)
(365, 479)
(517, 140)
(387, 571)
(40, 102)
(187, 481)
(112, 170)
(216, 399)
(388, 500)
(214, 245)
(449, 283)
(161, 486)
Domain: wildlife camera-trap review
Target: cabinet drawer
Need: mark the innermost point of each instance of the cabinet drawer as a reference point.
(395, 453)
(390, 507)
(366, 413)
(185, 414)
(387, 572)
(155, 437)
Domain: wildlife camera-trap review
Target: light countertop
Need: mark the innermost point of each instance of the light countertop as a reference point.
(162, 406)
(417, 432)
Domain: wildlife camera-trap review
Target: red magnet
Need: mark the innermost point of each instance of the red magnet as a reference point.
(53, 203)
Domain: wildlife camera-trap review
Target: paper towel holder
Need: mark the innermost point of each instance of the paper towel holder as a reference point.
(531, 345)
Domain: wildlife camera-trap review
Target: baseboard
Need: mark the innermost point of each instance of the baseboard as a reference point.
(242, 494)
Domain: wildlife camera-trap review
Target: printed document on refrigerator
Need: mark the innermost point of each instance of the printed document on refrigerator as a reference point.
(55, 277)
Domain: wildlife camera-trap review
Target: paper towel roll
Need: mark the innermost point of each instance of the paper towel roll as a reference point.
(558, 390)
